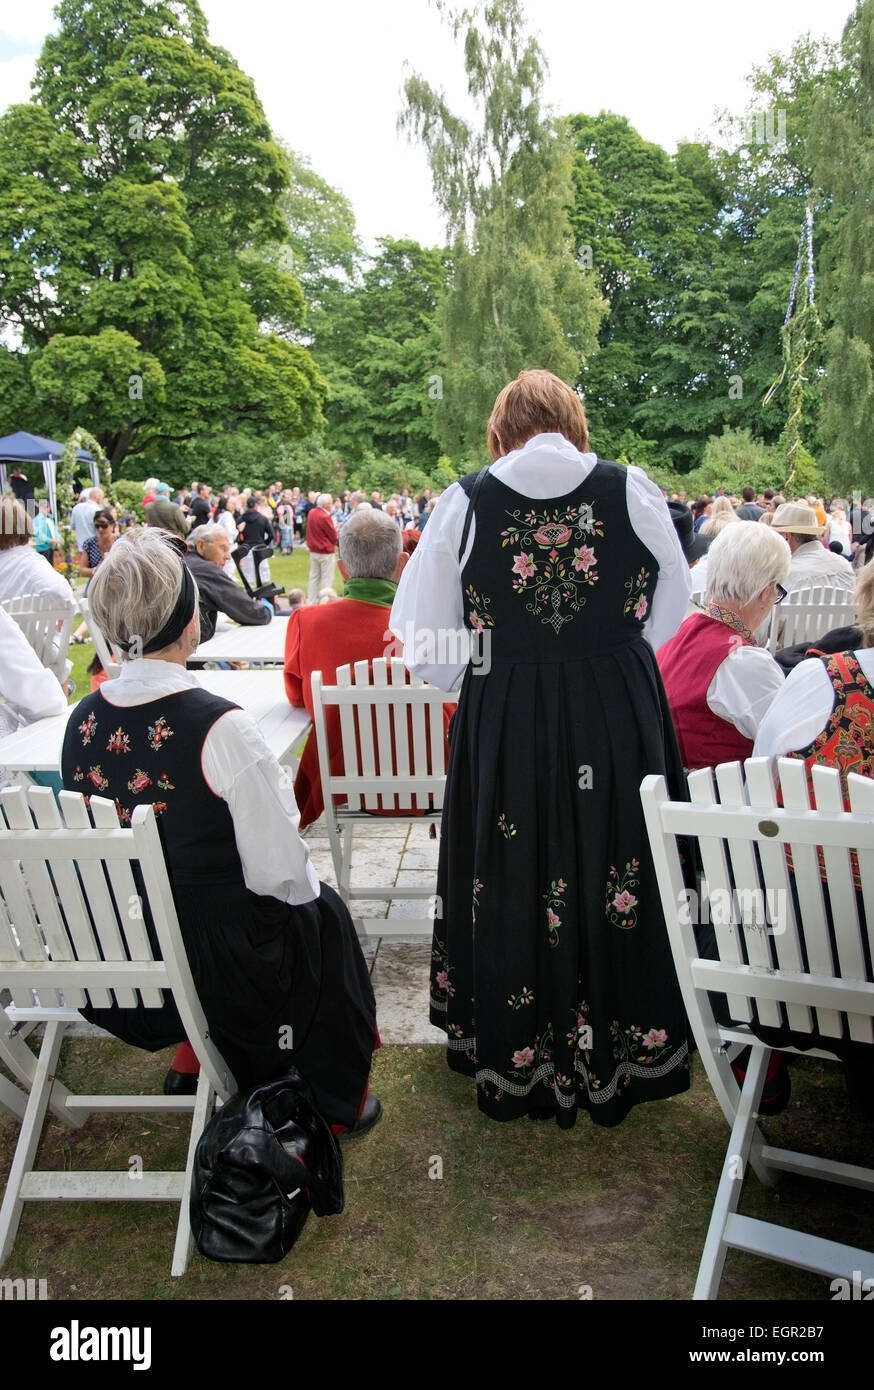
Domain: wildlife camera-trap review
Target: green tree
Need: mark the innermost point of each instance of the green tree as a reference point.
(321, 241)
(842, 146)
(643, 224)
(379, 347)
(517, 296)
(136, 190)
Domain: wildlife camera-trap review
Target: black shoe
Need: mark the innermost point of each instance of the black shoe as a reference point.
(181, 1083)
(370, 1116)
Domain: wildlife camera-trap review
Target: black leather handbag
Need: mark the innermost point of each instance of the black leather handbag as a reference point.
(262, 1162)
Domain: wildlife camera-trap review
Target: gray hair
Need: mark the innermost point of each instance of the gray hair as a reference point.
(370, 544)
(324, 499)
(204, 533)
(135, 588)
(743, 560)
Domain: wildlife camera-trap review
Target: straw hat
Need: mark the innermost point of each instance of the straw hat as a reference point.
(796, 518)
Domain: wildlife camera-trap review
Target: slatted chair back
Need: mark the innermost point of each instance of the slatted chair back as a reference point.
(793, 936)
(390, 727)
(108, 657)
(76, 894)
(808, 613)
(47, 624)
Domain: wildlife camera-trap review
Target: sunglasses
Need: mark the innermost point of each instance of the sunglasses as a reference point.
(781, 592)
(102, 526)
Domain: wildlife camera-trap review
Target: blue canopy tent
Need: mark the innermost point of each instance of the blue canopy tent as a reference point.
(22, 448)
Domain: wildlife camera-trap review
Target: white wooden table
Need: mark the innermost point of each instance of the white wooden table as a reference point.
(37, 747)
(232, 643)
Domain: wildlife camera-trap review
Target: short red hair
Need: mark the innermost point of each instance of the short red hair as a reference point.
(537, 402)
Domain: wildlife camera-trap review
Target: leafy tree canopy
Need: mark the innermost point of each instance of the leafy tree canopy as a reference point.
(135, 188)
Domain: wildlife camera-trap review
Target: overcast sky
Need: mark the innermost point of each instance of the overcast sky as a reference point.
(329, 75)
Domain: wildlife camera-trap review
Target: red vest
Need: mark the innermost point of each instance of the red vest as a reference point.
(688, 663)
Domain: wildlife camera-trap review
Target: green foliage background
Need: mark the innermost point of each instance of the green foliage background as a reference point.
(193, 294)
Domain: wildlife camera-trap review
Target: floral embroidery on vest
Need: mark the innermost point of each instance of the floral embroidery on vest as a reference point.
(478, 617)
(159, 732)
(553, 559)
(119, 742)
(96, 778)
(139, 781)
(637, 601)
(87, 728)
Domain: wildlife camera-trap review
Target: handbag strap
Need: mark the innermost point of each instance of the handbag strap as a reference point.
(474, 493)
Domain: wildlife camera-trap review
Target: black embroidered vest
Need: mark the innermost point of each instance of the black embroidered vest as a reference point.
(151, 754)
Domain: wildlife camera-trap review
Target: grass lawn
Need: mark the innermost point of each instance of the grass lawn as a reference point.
(522, 1210)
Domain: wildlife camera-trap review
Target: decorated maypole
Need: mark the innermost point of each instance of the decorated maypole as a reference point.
(800, 333)
(68, 468)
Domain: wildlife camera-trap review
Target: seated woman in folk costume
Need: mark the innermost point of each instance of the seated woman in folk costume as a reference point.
(270, 947)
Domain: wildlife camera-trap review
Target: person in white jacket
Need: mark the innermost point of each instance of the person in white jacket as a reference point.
(28, 691)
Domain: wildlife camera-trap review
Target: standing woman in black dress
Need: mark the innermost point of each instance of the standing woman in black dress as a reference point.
(552, 974)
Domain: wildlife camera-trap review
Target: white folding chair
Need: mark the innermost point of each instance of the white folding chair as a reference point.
(73, 931)
(808, 613)
(109, 659)
(765, 926)
(391, 727)
(47, 625)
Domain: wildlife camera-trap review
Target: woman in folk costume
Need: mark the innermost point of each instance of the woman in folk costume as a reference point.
(273, 952)
(552, 974)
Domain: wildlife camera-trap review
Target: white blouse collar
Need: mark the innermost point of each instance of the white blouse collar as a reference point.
(551, 447)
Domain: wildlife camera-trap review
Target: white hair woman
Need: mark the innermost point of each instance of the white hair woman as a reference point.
(270, 948)
(719, 681)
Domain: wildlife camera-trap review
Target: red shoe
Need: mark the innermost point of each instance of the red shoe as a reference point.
(777, 1090)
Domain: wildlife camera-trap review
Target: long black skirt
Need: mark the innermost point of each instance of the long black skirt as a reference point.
(279, 986)
(551, 970)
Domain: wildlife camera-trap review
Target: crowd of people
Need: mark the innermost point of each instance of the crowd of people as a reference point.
(625, 631)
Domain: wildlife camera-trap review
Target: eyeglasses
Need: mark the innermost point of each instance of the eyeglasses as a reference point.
(781, 592)
(102, 526)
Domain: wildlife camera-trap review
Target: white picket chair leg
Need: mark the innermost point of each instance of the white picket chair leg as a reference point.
(345, 875)
(28, 1141)
(12, 1100)
(733, 1171)
(17, 1057)
(204, 1104)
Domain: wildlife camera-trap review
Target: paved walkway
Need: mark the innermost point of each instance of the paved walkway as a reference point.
(388, 854)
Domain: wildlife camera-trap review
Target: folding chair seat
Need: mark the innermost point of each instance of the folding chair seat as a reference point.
(391, 727)
(794, 942)
(75, 900)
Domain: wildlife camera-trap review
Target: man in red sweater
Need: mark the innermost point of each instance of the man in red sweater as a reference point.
(321, 542)
(323, 637)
